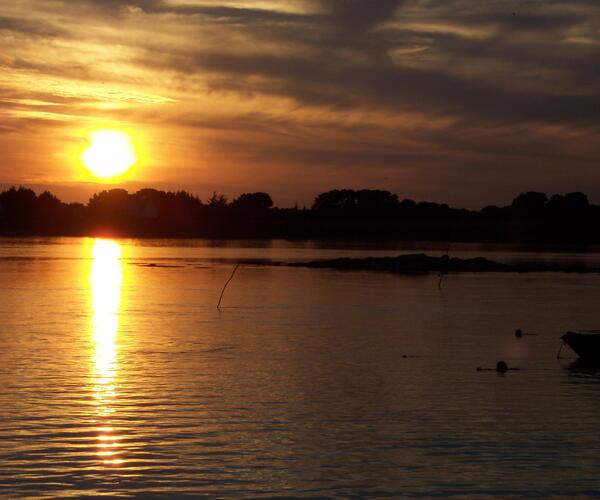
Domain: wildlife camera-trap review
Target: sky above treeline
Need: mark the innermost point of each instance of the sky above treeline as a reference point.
(462, 101)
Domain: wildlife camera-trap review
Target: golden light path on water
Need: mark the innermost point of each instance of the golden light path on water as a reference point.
(105, 279)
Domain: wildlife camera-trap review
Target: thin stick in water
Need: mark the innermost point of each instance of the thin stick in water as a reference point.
(443, 273)
(441, 276)
(225, 286)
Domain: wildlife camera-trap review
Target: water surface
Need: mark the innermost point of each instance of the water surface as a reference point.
(121, 378)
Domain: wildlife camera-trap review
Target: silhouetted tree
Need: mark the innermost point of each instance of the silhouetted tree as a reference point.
(111, 212)
(376, 203)
(337, 201)
(576, 203)
(217, 200)
(19, 211)
(530, 203)
(363, 203)
(50, 214)
(345, 213)
(253, 202)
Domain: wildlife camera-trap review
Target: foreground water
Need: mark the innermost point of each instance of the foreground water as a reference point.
(120, 378)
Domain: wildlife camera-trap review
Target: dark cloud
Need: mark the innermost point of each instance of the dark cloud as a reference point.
(222, 12)
(117, 5)
(235, 14)
(357, 17)
(341, 84)
(32, 28)
(320, 72)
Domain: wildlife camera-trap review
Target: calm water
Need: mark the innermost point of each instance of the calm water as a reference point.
(120, 378)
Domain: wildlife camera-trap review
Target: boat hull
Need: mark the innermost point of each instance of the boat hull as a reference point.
(586, 345)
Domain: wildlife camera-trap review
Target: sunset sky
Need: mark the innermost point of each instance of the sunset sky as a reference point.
(464, 101)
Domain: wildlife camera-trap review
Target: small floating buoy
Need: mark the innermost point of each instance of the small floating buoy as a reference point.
(501, 367)
(518, 333)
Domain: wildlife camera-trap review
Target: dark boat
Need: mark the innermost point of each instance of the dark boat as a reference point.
(585, 343)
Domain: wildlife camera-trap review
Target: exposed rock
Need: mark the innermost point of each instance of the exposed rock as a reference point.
(413, 263)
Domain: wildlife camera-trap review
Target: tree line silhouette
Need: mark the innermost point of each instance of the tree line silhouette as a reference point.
(532, 217)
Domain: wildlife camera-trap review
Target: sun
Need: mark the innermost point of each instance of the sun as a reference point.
(109, 154)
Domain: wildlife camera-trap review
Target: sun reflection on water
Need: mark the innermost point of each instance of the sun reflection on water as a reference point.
(106, 277)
